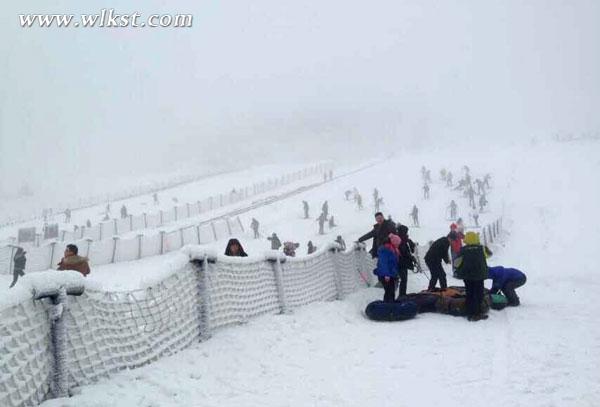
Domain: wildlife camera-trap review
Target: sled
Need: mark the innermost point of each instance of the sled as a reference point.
(391, 311)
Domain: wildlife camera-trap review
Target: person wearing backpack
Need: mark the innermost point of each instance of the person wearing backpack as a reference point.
(472, 268)
(406, 260)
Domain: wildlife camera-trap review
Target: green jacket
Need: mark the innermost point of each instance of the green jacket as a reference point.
(471, 264)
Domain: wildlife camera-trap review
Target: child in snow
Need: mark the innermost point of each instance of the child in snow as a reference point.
(387, 266)
(507, 280)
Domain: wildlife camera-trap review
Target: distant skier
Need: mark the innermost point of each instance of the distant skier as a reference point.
(324, 177)
(423, 173)
(339, 240)
(443, 174)
(375, 195)
(325, 209)
(311, 248)
(108, 208)
(378, 204)
(475, 216)
(330, 175)
(155, 198)
(88, 223)
(123, 211)
(19, 261)
(331, 222)
(453, 208)
(321, 219)
(347, 195)
(428, 176)
(471, 195)
(482, 203)
(486, 180)
(359, 201)
(289, 248)
(480, 188)
(449, 179)
(67, 215)
(426, 191)
(415, 215)
(305, 208)
(275, 242)
(254, 225)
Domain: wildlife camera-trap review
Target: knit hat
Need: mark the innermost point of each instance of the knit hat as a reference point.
(471, 238)
(453, 226)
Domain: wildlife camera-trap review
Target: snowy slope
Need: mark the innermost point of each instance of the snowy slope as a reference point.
(544, 353)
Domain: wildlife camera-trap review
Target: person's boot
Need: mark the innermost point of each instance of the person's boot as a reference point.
(474, 318)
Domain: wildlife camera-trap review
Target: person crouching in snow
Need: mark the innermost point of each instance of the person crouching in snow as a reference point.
(289, 248)
(507, 280)
(387, 266)
(472, 268)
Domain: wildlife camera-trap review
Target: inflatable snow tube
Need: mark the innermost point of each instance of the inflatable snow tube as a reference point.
(425, 301)
(498, 301)
(391, 311)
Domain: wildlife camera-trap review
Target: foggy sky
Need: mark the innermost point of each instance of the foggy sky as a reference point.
(272, 80)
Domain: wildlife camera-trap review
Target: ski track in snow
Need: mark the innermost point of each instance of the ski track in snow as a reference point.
(544, 353)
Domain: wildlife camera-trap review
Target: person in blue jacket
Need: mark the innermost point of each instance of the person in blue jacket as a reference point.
(387, 266)
(507, 280)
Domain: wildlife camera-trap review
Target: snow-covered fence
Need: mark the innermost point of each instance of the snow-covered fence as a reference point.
(106, 332)
(163, 217)
(118, 249)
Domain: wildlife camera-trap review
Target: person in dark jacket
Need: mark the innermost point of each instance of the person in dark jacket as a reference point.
(472, 268)
(321, 219)
(507, 280)
(387, 266)
(339, 240)
(305, 209)
(275, 242)
(19, 261)
(437, 253)
(311, 247)
(234, 248)
(380, 232)
(406, 260)
(72, 261)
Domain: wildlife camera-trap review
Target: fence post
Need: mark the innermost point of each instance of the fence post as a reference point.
(490, 234)
(115, 227)
(175, 211)
(52, 248)
(162, 242)
(62, 238)
(204, 284)
(336, 274)
(221, 200)
(484, 237)
(130, 223)
(58, 332)
(187, 206)
(114, 253)
(161, 217)
(199, 208)
(89, 244)
(278, 271)
(228, 226)
(37, 239)
(101, 229)
(145, 220)
(140, 236)
(214, 230)
(198, 233)
(181, 236)
(82, 232)
(210, 202)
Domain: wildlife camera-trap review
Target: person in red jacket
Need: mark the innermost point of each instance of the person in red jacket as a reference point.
(456, 241)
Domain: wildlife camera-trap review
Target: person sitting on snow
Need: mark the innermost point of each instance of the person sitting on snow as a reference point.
(289, 248)
(507, 280)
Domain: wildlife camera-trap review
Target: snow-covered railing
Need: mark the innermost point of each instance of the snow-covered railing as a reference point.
(100, 332)
(162, 218)
(117, 249)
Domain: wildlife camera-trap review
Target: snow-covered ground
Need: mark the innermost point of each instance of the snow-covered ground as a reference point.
(544, 353)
